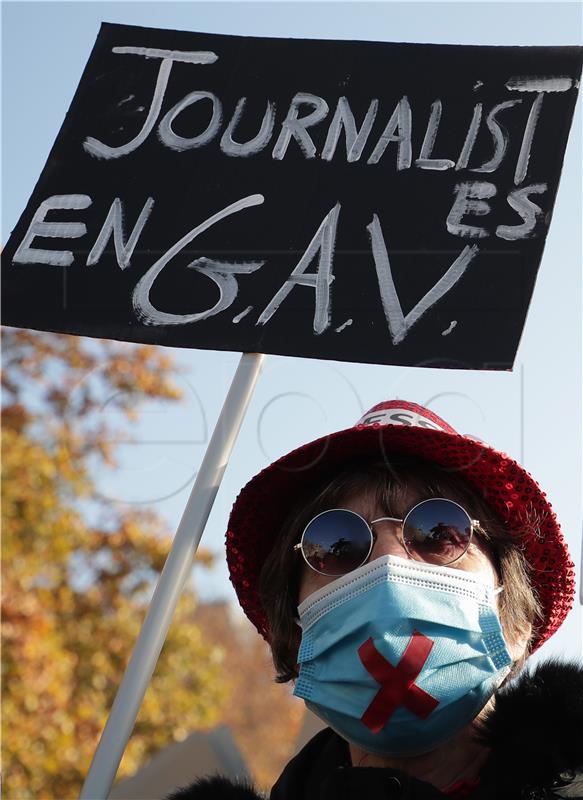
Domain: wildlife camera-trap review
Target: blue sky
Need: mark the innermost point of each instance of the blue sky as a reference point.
(533, 413)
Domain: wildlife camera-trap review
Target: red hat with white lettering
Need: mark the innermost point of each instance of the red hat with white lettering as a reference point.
(394, 427)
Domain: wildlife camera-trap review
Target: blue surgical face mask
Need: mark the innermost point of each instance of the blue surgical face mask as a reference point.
(398, 656)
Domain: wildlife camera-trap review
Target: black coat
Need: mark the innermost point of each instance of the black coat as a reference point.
(535, 736)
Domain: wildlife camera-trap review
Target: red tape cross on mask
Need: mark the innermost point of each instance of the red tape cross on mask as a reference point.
(397, 683)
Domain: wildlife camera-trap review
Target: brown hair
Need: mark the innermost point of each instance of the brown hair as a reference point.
(389, 484)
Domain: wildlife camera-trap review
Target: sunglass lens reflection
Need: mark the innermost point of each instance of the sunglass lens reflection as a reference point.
(437, 531)
(336, 542)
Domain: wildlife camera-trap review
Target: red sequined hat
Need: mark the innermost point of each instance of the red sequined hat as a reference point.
(401, 427)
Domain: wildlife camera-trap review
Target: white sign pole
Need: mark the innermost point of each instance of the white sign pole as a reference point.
(139, 671)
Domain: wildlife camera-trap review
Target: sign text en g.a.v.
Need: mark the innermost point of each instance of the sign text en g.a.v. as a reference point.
(357, 201)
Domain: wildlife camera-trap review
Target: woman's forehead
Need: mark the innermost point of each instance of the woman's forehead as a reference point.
(370, 502)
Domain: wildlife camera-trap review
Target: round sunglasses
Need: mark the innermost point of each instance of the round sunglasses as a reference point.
(436, 531)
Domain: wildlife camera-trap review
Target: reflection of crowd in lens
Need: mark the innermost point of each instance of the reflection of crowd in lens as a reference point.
(449, 533)
(340, 546)
(317, 554)
(440, 542)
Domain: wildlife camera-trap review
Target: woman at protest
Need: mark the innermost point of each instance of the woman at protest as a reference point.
(402, 574)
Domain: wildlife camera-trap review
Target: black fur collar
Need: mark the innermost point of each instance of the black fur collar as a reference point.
(216, 788)
(535, 734)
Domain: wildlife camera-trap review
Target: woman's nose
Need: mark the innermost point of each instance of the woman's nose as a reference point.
(388, 540)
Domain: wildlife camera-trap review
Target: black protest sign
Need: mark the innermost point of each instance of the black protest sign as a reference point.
(356, 201)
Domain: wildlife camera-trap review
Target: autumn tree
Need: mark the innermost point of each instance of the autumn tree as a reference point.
(263, 716)
(77, 571)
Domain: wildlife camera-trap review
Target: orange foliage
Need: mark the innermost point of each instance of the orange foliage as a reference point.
(264, 716)
(73, 590)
